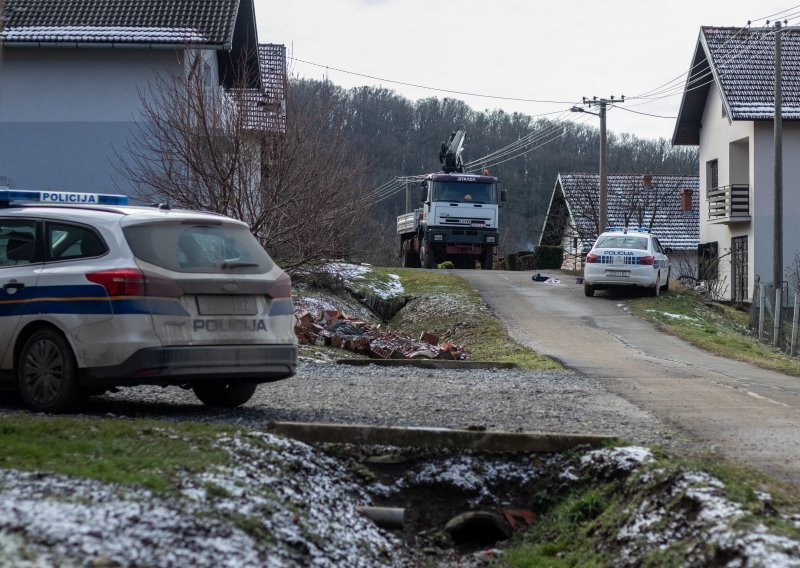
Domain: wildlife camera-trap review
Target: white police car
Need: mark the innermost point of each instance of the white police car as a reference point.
(626, 257)
(96, 294)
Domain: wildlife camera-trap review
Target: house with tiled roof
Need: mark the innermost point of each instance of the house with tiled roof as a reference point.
(74, 73)
(666, 205)
(728, 111)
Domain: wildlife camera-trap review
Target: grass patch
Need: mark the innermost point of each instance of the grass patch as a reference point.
(132, 452)
(716, 328)
(449, 307)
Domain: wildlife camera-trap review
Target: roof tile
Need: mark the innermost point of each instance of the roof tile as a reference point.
(744, 62)
(661, 202)
(208, 22)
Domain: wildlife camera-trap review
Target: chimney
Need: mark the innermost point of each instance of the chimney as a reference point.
(686, 201)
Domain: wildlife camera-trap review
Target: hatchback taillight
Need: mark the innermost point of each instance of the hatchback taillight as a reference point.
(281, 288)
(134, 282)
(647, 260)
(592, 258)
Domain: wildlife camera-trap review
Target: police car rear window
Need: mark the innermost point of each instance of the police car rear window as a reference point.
(217, 248)
(621, 242)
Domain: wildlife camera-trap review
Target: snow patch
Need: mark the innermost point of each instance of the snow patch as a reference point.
(675, 316)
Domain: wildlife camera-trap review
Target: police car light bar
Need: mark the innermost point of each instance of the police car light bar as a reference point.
(626, 229)
(9, 196)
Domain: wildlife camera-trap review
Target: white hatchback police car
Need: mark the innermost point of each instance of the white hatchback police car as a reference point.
(626, 257)
(96, 294)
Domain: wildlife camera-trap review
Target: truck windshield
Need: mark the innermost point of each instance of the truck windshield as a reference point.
(464, 192)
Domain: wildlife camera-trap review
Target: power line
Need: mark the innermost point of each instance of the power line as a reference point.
(643, 113)
(429, 88)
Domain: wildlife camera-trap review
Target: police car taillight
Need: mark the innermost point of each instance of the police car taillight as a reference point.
(134, 282)
(281, 288)
(119, 282)
(648, 260)
(591, 258)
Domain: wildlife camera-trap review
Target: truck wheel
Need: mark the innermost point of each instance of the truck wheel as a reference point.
(47, 372)
(222, 394)
(487, 259)
(410, 260)
(426, 256)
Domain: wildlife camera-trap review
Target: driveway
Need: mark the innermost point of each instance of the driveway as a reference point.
(743, 413)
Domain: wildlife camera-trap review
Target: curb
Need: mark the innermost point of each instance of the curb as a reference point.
(438, 438)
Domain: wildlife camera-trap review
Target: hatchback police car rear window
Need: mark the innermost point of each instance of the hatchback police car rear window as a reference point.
(621, 242)
(217, 248)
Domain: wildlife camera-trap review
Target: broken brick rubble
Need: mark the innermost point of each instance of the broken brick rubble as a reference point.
(342, 331)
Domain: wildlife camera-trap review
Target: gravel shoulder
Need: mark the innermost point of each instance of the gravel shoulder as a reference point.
(515, 400)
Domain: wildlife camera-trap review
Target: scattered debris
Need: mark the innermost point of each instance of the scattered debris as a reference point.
(343, 331)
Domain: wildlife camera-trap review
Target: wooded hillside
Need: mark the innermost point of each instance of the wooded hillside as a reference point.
(402, 138)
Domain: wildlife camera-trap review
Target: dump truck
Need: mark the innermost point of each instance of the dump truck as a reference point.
(458, 220)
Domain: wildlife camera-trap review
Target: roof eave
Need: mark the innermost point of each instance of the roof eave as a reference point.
(688, 124)
(112, 45)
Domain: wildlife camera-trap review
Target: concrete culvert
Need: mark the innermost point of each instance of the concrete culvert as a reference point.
(477, 529)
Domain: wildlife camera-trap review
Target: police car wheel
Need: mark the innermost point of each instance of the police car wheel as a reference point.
(47, 373)
(588, 290)
(665, 287)
(655, 290)
(224, 394)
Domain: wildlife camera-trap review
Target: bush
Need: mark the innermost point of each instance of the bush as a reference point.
(511, 261)
(446, 265)
(526, 261)
(548, 257)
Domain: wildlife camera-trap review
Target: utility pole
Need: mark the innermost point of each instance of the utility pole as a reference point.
(777, 221)
(602, 104)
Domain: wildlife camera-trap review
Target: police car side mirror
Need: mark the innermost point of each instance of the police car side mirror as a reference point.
(667, 250)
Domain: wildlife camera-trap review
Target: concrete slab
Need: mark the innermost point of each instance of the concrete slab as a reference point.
(440, 438)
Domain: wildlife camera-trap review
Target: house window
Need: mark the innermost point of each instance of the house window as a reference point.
(739, 269)
(712, 174)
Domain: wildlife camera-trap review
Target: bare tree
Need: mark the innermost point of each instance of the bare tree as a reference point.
(793, 273)
(199, 146)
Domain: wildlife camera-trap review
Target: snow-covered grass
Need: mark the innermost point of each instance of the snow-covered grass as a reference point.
(275, 503)
(366, 280)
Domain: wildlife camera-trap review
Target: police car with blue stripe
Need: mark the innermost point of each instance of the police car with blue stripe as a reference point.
(96, 294)
(626, 257)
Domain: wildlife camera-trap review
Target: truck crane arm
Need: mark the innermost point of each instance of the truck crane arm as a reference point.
(450, 152)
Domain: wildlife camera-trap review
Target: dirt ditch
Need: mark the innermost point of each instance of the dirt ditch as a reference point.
(614, 506)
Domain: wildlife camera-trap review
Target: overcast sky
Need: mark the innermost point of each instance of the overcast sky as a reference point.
(538, 49)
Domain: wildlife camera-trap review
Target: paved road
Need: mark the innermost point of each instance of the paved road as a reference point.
(746, 414)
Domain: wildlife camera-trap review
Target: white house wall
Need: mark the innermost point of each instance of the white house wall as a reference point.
(763, 162)
(716, 135)
(64, 113)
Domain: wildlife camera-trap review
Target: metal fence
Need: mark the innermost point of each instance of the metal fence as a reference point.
(776, 326)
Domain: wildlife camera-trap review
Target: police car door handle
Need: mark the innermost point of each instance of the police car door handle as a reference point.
(13, 285)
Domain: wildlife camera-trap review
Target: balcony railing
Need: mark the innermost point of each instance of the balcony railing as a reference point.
(729, 203)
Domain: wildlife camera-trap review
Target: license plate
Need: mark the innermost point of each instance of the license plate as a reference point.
(227, 305)
(622, 273)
